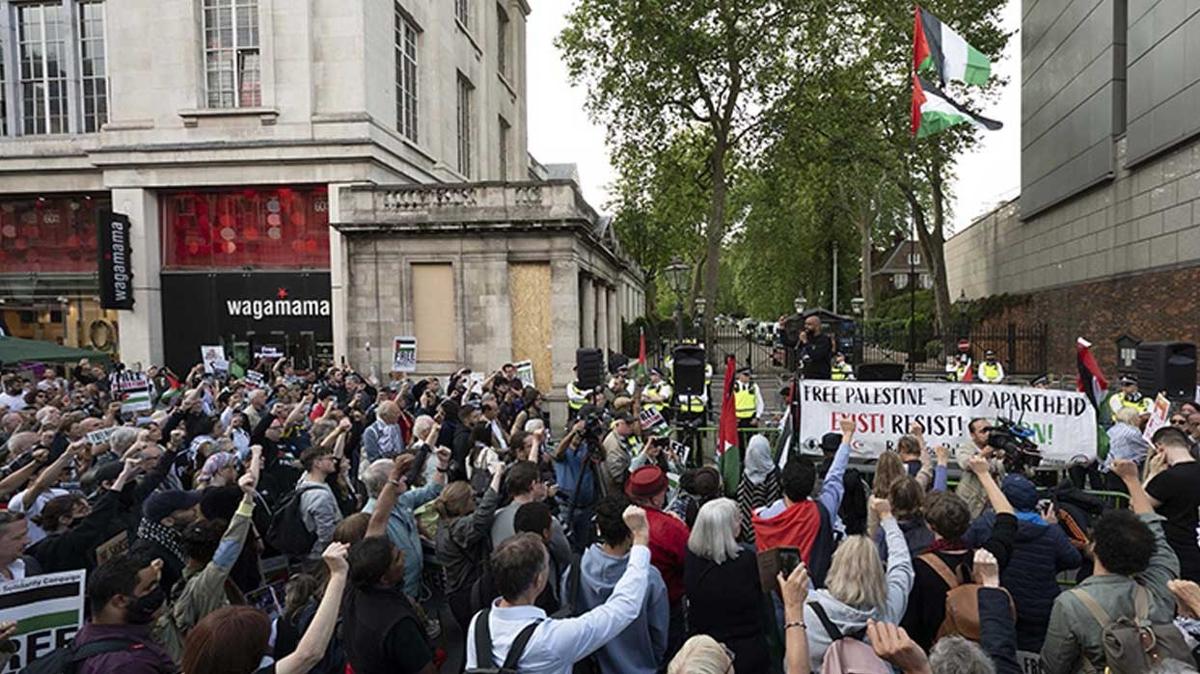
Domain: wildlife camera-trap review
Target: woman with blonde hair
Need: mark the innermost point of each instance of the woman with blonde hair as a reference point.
(725, 597)
(703, 655)
(858, 588)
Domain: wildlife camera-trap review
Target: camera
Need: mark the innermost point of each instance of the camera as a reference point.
(1014, 441)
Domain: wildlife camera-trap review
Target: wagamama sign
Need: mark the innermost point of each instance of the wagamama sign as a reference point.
(281, 306)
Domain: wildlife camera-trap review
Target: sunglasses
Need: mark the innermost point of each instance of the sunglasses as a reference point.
(1179, 421)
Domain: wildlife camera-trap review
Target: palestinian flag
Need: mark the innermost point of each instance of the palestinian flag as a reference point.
(729, 462)
(641, 370)
(937, 48)
(934, 111)
(1091, 381)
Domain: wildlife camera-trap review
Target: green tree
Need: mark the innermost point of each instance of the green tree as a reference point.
(655, 67)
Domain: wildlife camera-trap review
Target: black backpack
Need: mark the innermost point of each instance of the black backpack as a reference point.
(483, 647)
(66, 660)
(287, 533)
(569, 609)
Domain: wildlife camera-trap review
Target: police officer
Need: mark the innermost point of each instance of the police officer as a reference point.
(1128, 396)
(656, 395)
(748, 401)
(962, 367)
(842, 371)
(577, 397)
(990, 370)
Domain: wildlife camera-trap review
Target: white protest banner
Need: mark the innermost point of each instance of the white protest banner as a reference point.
(213, 357)
(48, 610)
(404, 354)
(1064, 422)
(525, 372)
(133, 390)
(101, 436)
(1158, 416)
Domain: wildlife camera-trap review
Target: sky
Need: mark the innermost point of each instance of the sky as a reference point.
(560, 131)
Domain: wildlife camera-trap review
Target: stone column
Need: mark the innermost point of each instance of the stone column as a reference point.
(602, 317)
(564, 332)
(588, 331)
(141, 330)
(339, 276)
(614, 321)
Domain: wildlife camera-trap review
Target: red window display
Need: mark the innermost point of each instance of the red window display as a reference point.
(269, 228)
(49, 233)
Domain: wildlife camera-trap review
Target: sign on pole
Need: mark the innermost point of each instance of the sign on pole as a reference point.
(115, 263)
(1064, 422)
(404, 354)
(48, 610)
(525, 372)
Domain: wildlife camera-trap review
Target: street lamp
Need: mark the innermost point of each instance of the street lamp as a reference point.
(698, 322)
(856, 305)
(678, 274)
(799, 303)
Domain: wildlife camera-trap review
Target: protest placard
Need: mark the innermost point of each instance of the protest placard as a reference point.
(1030, 662)
(1064, 422)
(254, 379)
(1158, 416)
(101, 436)
(48, 610)
(404, 354)
(133, 390)
(213, 357)
(113, 547)
(525, 372)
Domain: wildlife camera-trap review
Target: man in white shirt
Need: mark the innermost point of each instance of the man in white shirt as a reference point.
(520, 569)
(13, 395)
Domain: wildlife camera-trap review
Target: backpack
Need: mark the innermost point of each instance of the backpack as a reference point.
(568, 609)
(847, 653)
(962, 601)
(287, 532)
(1135, 644)
(483, 647)
(66, 660)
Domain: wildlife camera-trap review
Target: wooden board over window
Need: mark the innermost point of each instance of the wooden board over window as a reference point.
(529, 294)
(434, 317)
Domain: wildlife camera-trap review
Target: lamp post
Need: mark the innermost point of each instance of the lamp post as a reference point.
(698, 319)
(799, 304)
(856, 305)
(677, 274)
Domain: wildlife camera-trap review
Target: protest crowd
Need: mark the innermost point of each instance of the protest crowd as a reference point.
(323, 521)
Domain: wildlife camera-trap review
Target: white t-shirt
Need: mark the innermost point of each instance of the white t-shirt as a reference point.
(14, 403)
(15, 504)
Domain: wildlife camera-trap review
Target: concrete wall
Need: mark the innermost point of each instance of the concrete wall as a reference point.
(1164, 75)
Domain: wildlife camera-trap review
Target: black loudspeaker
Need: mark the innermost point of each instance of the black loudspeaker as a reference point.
(1169, 367)
(589, 368)
(880, 372)
(688, 370)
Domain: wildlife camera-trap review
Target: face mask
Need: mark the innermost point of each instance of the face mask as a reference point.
(143, 608)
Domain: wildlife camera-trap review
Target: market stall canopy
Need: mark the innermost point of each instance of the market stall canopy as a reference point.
(17, 350)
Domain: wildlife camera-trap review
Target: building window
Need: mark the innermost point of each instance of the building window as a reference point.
(92, 66)
(900, 281)
(42, 55)
(914, 259)
(406, 76)
(231, 56)
(505, 129)
(50, 234)
(926, 281)
(462, 12)
(502, 28)
(465, 92)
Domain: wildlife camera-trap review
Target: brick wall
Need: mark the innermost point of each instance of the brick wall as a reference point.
(1154, 306)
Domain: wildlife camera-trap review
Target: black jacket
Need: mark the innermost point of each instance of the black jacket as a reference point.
(726, 602)
(819, 353)
(61, 551)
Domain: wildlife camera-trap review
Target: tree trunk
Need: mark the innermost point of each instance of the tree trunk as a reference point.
(934, 246)
(715, 233)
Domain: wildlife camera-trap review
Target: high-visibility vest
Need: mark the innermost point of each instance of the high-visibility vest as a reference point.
(660, 390)
(841, 372)
(1117, 401)
(576, 397)
(693, 404)
(990, 372)
(745, 399)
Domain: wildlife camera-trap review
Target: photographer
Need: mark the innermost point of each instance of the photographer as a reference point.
(575, 460)
(969, 489)
(658, 452)
(620, 445)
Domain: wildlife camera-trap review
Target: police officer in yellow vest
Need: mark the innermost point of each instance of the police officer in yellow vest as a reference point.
(1129, 396)
(656, 395)
(748, 402)
(692, 405)
(577, 397)
(842, 371)
(990, 370)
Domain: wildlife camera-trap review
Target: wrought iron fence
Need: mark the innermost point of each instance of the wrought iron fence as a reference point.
(1020, 348)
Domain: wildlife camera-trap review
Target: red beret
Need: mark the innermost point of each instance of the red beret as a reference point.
(645, 482)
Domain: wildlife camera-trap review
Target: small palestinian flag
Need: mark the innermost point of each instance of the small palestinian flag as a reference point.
(934, 111)
(937, 48)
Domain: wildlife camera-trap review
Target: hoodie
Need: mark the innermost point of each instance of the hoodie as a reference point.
(641, 647)
(898, 583)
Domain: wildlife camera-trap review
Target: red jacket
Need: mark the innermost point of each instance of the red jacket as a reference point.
(668, 549)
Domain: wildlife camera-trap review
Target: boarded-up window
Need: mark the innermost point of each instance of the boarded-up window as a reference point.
(529, 293)
(436, 324)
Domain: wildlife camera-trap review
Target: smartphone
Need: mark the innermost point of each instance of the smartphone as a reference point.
(1044, 506)
(788, 561)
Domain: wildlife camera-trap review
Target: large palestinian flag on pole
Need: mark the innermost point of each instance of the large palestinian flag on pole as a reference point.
(934, 111)
(937, 48)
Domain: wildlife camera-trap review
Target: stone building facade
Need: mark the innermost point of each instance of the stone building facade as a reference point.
(221, 127)
(1105, 238)
(481, 274)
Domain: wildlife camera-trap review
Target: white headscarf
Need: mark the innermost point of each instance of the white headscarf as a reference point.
(758, 459)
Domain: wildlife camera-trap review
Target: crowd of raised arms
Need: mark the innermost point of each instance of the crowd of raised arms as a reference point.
(328, 522)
